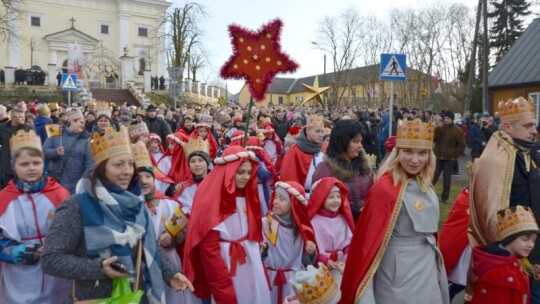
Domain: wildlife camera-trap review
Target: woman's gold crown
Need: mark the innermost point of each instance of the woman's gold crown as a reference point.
(516, 109)
(112, 143)
(415, 134)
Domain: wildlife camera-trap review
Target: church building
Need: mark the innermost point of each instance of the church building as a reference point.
(103, 32)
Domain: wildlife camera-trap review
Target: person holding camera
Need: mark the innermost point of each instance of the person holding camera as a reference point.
(27, 207)
(476, 138)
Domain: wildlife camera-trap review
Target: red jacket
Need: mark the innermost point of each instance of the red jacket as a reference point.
(501, 279)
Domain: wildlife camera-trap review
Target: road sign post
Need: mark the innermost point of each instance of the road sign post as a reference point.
(69, 84)
(393, 67)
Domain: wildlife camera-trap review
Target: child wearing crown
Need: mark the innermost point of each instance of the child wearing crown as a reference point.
(289, 239)
(332, 219)
(501, 275)
(204, 131)
(161, 208)
(27, 208)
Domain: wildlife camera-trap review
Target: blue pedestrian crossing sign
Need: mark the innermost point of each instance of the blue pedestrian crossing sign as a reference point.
(69, 82)
(393, 67)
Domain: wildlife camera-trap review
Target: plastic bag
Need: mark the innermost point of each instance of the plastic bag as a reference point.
(122, 293)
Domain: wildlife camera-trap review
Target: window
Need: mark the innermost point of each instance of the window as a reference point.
(105, 29)
(280, 99)
(35, 21)
(536, 101)
(143, 32)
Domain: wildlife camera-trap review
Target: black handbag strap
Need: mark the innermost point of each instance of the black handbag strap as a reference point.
(356, 205)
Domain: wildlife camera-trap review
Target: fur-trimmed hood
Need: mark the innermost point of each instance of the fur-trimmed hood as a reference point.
(347, 171)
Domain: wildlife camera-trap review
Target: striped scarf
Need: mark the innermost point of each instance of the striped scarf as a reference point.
(114, 221)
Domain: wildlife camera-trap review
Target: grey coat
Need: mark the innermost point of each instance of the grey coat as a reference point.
(64, 256)
(77, 162)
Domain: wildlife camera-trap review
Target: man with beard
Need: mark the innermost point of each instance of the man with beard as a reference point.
(505, 175)
(449, 145)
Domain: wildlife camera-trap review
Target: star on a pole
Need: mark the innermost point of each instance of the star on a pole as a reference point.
(315, 93)
(257, 57)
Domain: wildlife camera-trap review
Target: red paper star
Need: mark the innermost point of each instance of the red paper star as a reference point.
(257, 57)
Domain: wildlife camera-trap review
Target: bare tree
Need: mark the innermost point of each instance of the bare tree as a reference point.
(10, 13)
(185, 32)
(341, 36)
(196, 62)
(34, 45)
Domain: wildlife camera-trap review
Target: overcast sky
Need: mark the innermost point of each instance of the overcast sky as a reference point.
(300, 19)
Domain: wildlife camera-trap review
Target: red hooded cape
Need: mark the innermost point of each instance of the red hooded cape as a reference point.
(179, 166)
(212, 143)
(256, 145)
(453, 238)
(55, 192)
(320, 191)
(214, 201)
(370, 238)
(299, 212)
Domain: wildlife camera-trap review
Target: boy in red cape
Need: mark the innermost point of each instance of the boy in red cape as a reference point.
(501, 277)
(222, 252)
(301, 159)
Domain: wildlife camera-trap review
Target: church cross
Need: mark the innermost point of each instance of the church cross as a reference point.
(72, 22)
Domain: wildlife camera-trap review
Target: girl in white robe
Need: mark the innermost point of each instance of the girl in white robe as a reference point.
(331, 217)
(289, 238)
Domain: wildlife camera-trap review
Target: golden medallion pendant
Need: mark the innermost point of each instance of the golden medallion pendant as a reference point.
(419, 205)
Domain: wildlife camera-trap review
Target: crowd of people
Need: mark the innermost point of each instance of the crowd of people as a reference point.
(203, 204)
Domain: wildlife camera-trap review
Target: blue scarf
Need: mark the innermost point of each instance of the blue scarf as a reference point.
(114, 221)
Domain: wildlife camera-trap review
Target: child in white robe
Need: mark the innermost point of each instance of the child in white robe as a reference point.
(289, 239)
(331, 217)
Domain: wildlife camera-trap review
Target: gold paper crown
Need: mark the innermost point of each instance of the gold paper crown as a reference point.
(24, 139)
(137, 129)
(103, 108)
(314, 119)
(322, 292)
(53, 106)
(515, 220)
(415, 134)
(516, 109)
(141, 156)
(372, 158)
(197, 144)
(112, 143)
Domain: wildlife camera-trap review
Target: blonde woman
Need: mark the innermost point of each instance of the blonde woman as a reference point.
(396, 260)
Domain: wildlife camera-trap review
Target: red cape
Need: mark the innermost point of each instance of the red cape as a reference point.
(295, 165)
(179, 167)
(212, 143)
(55, 192)
(372, 233)
(214, 201)
(453, 238)
(321, 192)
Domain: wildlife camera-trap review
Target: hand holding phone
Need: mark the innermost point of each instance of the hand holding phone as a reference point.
(120, 268)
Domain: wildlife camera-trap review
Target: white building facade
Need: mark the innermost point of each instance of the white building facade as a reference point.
(105, 30)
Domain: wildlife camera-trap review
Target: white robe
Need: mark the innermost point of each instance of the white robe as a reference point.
(271, 148)
(285, 255)
(315, 160)
(250, 283)
(186, 198)
(28, 283)
(332, 234)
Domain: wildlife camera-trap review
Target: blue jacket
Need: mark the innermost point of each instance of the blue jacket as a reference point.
(77, 162)
(476, 137)
(39, 123)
